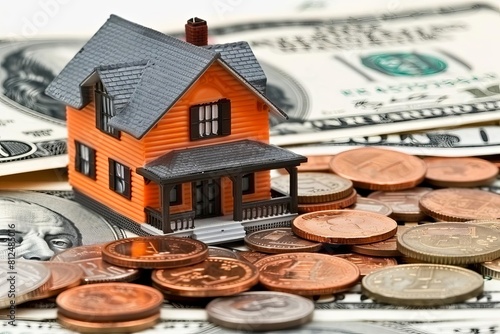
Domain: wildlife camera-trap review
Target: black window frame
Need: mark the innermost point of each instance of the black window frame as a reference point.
(81, 161)
(222, 120)
(177, 190)
(105, 110)
(116, 181)
(251, 184)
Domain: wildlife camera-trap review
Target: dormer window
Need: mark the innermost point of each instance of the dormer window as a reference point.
(104, 110)
(210, 119)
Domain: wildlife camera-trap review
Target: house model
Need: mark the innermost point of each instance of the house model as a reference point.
(172, 137)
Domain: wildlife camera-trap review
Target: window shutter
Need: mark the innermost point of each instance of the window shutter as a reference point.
(225, 117)
(127, 177)
(92, 172)
(194, 123)
(77, 157)
(111, 174)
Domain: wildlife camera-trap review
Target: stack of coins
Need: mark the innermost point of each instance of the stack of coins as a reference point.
(318, 191)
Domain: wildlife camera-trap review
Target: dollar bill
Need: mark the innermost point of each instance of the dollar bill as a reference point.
(377, 74)
(456, 142)
(32, 125)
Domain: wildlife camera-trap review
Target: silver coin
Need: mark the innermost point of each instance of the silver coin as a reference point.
(422, 285)
(18, 279)
(221, 252)
(95, 269)
(260, 311)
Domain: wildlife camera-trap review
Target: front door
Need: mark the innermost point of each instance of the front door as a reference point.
(206, 198)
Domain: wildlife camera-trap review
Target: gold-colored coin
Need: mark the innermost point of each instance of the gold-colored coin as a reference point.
(490, 268)
(315, 187)
(422, 285)
(450, 243)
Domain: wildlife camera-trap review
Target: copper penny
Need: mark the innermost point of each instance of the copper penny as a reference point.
(315, 187)
(333, 205)
(368, 264)
(450, 243)
(130, 326)
(63, 276)
(316, 163)
(307, 274)
(489, 268)
(404, 203)
(379, 169)
(371, 205)
(155, 252)
(460, 204)
(279, 240)
(349, 227)
(460, 171)
(213, 277)
(384, 248)
(422, 285)
(95, 270)
(250, 256)
(112, 301)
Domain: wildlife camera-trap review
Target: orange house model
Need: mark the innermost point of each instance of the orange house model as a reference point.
(171, 137)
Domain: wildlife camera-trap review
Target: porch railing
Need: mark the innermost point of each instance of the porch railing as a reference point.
(178, 221)
(268, 208)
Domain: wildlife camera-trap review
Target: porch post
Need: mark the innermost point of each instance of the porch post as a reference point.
(165, 207)
(293, 189)
(237, 197)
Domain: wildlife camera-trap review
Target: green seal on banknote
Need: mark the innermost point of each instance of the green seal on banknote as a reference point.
(404, 64)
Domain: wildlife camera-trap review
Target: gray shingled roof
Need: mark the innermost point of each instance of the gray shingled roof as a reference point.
(197, 163)
(145, 72)
(240, 56)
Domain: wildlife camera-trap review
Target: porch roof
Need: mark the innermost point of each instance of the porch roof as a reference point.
(204, 162)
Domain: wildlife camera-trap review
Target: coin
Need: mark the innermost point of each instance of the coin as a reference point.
(404, 203)
(314, 187)
(125, 326)
(422, 285)
(95, 270)
(489, 268)
(333, 205)
(20, 280)
(459, 171)
(307, 274)
(279, 240)
(384, 248)
(63, 276)
(349, 227)
(379, 169)
(260, 311)
(368, 264)
(450, 243)
(221, 252)
(155, 252)
(214, 277)
(250, 256)
(460, 204)
(371, 205)
(109, 302)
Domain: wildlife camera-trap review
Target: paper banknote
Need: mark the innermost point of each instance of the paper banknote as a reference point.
(459, 142)
(377, 74)
(335, 78)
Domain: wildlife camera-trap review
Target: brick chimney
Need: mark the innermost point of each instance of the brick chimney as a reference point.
(196, 31)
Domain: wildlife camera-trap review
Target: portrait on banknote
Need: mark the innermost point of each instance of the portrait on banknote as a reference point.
(43, 225)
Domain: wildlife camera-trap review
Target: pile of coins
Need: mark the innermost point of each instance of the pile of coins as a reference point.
(408, 230)
(318, 191)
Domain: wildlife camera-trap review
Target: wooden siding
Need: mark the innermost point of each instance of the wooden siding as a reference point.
(249, 120)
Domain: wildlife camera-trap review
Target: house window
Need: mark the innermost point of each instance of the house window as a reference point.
(104, 110)
(248, 184)
(210, 119)
(119, 178)
(85, 160)
(176, 195)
